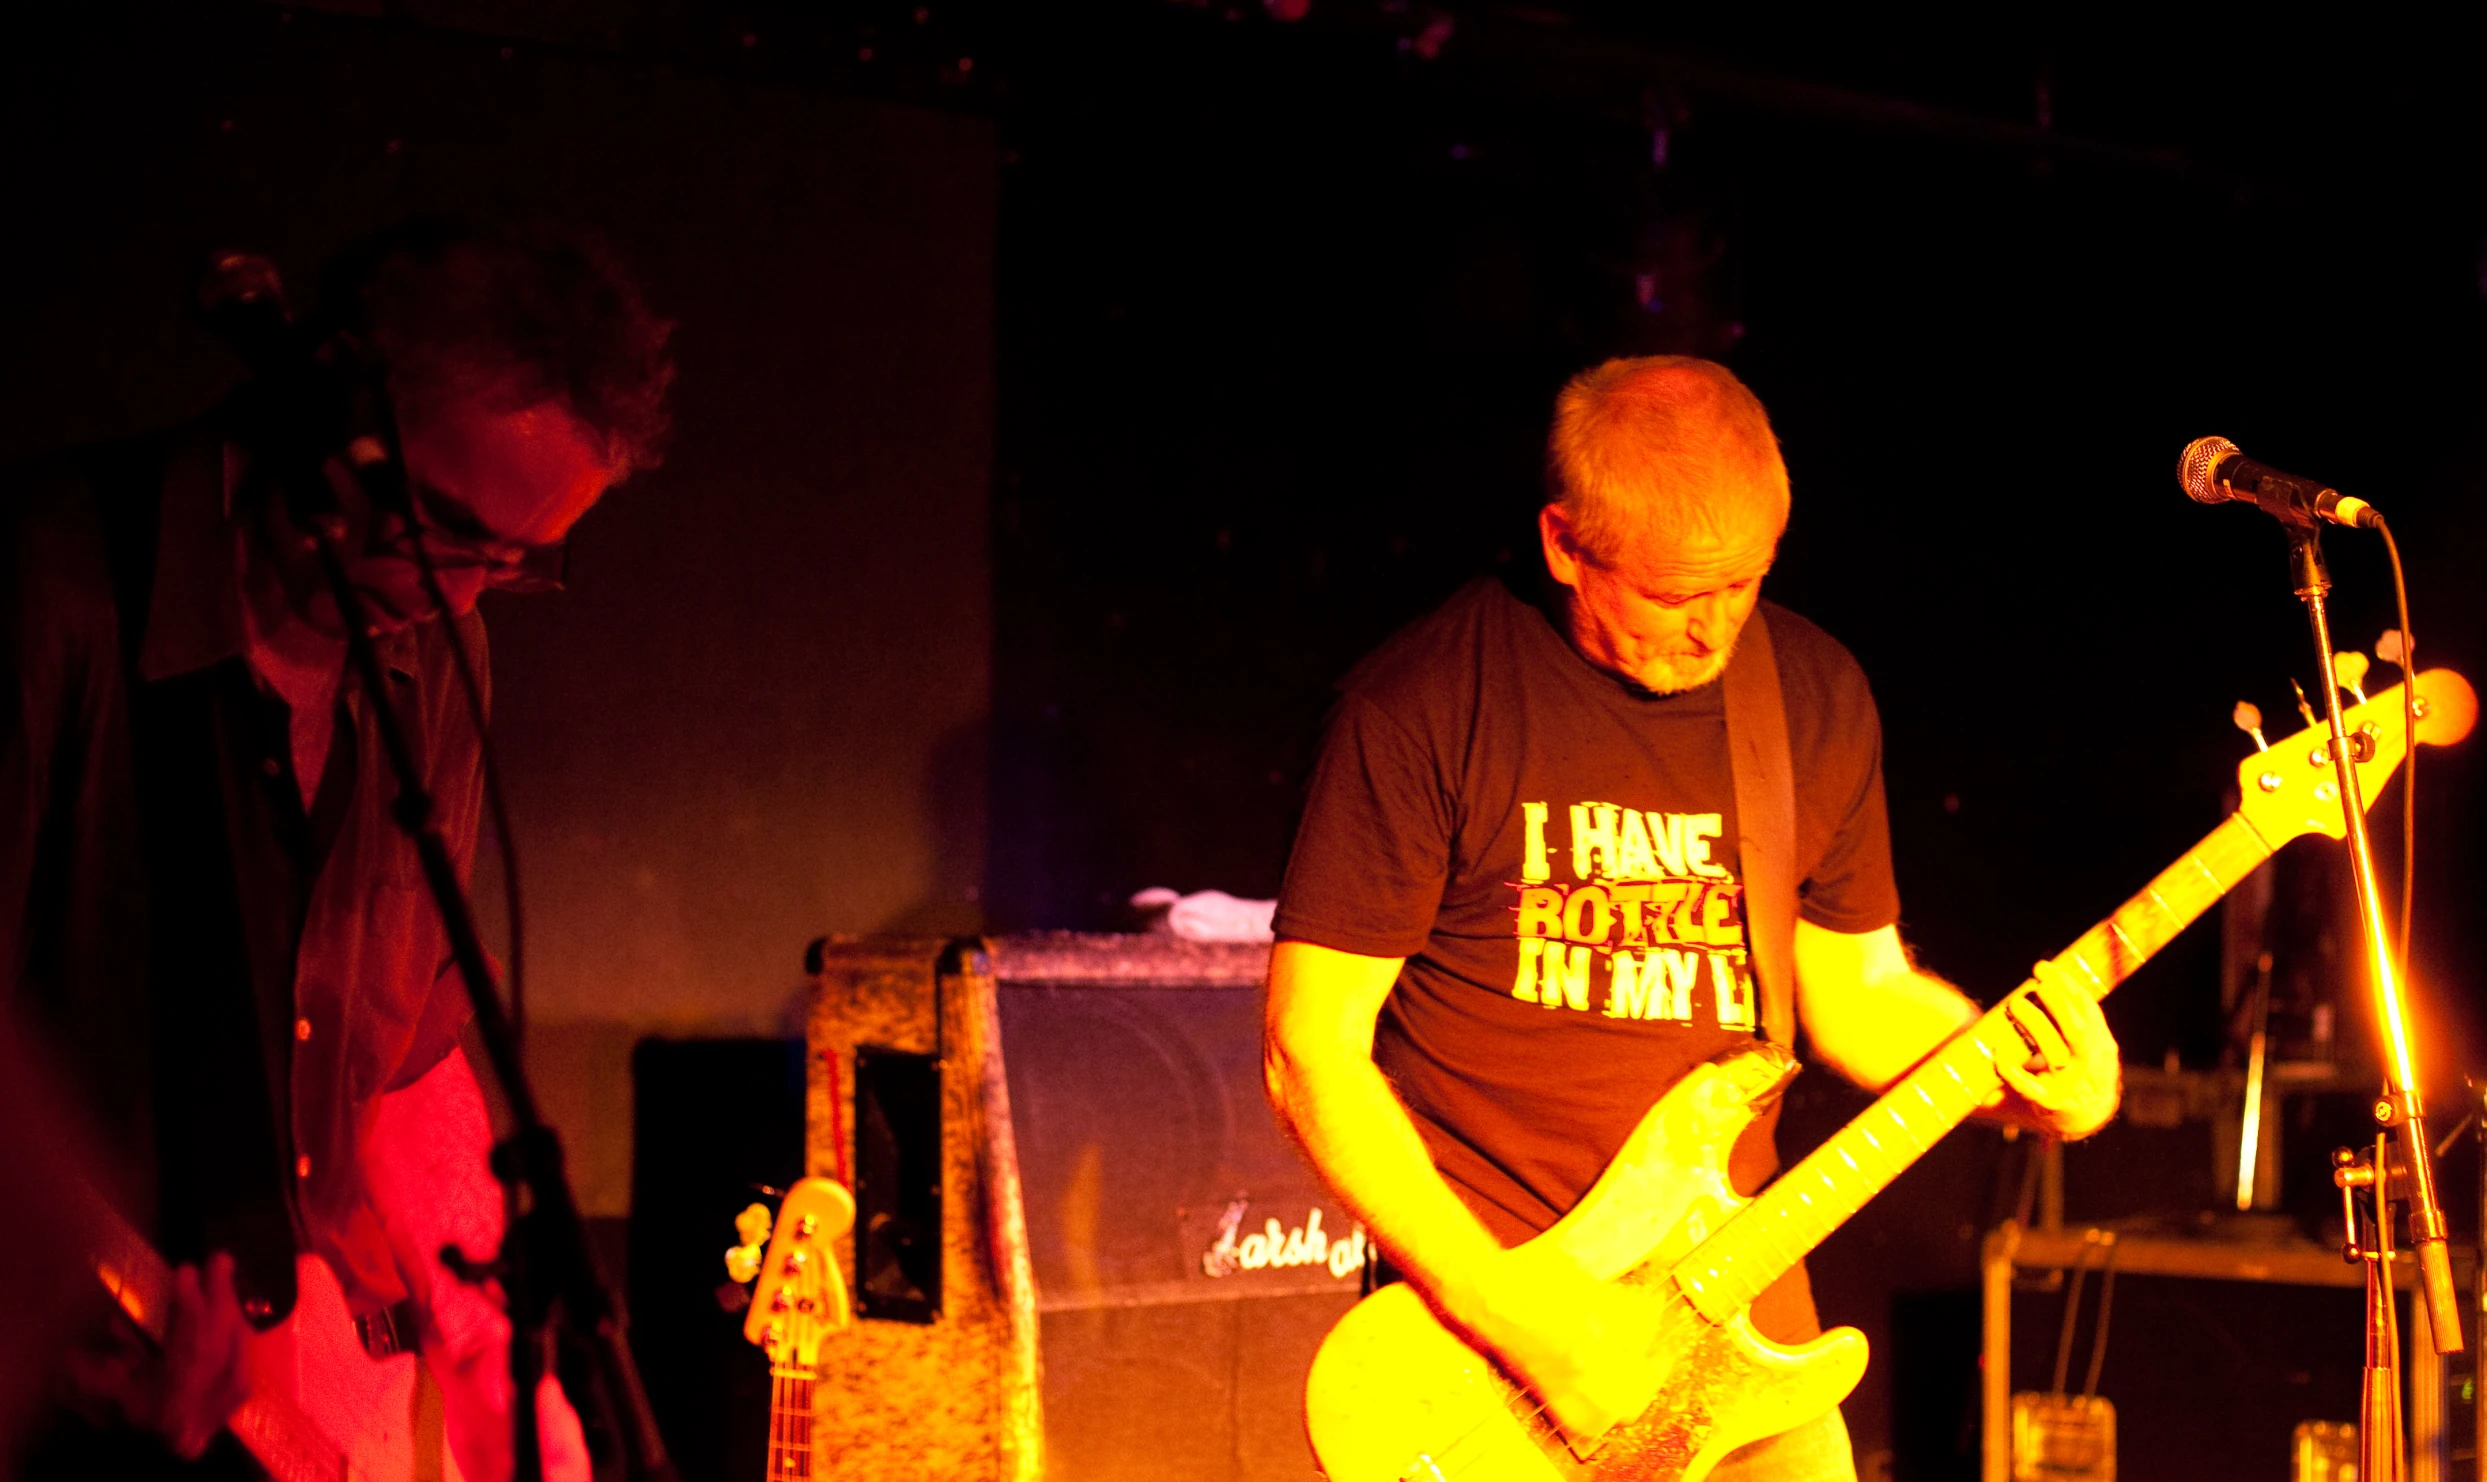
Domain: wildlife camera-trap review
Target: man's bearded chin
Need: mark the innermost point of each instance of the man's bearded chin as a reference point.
(1673, 676)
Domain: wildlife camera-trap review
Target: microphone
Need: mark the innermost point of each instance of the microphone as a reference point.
(240, 297)
(317, 404)
(2212, 471)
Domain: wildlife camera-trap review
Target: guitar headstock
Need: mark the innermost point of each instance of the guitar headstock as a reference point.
(2293, 787)
(800, 1294)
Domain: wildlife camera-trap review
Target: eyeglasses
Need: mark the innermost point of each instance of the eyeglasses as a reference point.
(512, 568)
(456, 539)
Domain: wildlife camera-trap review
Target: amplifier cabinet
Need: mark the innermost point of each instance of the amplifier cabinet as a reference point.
(1119, 1214)
(1187, 1261)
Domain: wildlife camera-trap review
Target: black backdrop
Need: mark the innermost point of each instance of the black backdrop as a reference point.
(1283, 308)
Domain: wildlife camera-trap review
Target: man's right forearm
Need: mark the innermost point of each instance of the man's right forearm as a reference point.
(1581, 1346)
(1323, 1083)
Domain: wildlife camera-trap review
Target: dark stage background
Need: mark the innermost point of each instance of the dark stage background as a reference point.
(1283, 310)
(1070, 395)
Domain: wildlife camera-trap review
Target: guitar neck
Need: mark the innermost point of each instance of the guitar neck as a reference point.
(134, 1276)
(790, 1423)
(1817, 1196)
(272, 1428)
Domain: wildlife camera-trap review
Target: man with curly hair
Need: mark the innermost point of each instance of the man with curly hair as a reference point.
(206, 908)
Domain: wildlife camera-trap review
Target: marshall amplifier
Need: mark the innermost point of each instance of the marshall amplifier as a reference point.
(1187, 1261)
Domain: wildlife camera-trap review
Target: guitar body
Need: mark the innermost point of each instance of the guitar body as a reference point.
(311, 1381)
(315, 1362)
(1394, 1393)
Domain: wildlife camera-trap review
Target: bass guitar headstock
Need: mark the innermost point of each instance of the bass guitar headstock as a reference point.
(798, 1294)
(2291, 787)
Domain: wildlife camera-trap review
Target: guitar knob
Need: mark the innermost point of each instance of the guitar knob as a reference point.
(2349, 672)
(2249, 720)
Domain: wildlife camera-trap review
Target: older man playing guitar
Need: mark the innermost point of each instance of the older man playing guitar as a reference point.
(1524, 900)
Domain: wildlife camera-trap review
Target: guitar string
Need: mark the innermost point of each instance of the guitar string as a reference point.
(1536, 1418)
(790, 1417)
(1763, 1238)
(2222, 840)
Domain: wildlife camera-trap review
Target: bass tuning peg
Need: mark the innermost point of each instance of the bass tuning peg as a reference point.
(2303, 708)
(2249, 720)
(2349, 672)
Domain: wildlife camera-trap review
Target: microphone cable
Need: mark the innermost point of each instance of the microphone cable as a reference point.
(495, 804)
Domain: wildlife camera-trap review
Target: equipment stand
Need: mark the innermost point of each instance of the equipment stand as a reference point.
(2478, 1288)
(2398, 1112)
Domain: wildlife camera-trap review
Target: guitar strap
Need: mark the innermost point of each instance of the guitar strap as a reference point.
(1765, 782)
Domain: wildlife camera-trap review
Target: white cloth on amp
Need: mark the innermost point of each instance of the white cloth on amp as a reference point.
(1206, 915)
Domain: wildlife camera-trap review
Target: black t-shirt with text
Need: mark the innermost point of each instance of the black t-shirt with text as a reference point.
(1553, 850)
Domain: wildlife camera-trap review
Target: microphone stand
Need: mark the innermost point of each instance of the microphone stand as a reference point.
(2478, 1281)
(2398, 1111)
(545, 1268)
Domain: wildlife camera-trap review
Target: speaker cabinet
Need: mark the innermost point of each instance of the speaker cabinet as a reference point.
(1187, 1261)
(1112, 1190)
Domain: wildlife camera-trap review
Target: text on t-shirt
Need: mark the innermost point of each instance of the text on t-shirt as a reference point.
(1646, 898)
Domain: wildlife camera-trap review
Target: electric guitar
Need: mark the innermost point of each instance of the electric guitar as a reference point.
(799, 1297)
(271, 1427)
(1395, 1396)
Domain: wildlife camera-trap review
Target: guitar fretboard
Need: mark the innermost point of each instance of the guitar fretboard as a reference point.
(274, 1430)
(790, 1423)
(1815, 1197)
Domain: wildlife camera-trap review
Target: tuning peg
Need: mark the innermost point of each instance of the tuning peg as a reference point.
(2393, 649)
(2304, 709)
(2249, 720)
(753, 1224)
(743, 1262)
(2349, 672)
